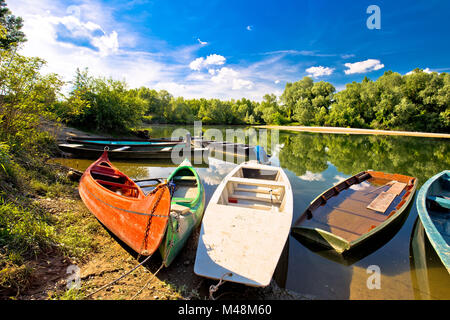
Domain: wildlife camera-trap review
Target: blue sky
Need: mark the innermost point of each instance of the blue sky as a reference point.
(233, 49)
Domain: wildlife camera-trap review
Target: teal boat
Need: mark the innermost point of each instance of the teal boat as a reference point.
(187, 207)
(433, 206)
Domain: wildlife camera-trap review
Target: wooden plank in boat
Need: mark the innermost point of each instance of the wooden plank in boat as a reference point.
(256, 182)
(256, 198)
(179, 208)
(397, 188)
(382, 202)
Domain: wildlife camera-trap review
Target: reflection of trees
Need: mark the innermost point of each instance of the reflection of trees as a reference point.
(304, 152)
(418, 157)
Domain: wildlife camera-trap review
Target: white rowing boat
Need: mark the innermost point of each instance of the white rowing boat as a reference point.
(245, 226)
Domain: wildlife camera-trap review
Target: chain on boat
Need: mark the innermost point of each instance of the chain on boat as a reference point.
(143, 242)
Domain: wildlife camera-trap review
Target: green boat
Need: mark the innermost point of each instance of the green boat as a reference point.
(187, 207)
(433, 206)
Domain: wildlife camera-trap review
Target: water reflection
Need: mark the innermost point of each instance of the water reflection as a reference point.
(428, 274)
(313, 163)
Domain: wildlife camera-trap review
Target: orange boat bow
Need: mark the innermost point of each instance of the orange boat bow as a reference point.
(138, 220)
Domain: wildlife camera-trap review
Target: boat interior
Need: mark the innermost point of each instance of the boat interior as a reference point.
(114, 180)
(438, 205)
(186, 188)
(261, 189)
(357, 205)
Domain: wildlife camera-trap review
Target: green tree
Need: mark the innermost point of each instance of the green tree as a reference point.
(10, 28)
(308, 102)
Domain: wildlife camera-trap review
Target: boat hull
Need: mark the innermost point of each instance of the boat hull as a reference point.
(436, 222)
(242, 236)
(339, 243)
(127, 217)
(181, 226)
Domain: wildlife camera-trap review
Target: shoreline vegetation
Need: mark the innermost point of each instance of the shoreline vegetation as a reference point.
(339, 130)
(44, 226)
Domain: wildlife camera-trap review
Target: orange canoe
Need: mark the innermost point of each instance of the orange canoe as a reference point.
(138, 220)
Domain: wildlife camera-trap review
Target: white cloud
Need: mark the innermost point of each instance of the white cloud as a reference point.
(309, 176)
(196, 64)
(319, 71)
(231, 77)
(89, 36)
(203, 43)
(249, 28)
(426, 70)
(347, 56)
(212, 59)
(363, 66)
(277, 81)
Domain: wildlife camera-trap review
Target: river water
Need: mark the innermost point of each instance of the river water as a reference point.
(314, 162)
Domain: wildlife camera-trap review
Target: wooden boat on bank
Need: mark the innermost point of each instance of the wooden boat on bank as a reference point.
(347, 215)
(433, 206)
(125, 152)
(186, 210)
(118, 142)
(137, 219)
(245, 226)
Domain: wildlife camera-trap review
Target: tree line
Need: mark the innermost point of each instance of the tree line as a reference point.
(418, 101)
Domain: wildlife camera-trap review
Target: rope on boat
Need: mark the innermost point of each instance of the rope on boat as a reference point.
(143, 242)
(148, 281)
(214, 288)
(119, 278)
(164, 261)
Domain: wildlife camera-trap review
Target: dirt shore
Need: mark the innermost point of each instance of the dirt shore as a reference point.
(356, 131)
(109, 258)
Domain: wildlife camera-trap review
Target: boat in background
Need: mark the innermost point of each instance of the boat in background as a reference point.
(351, 213)
(117, 142)
(433, 206)
(245, 226)
(137, 219)
(129, 152)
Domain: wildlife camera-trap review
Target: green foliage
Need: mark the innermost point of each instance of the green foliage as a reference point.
(24, 97)
(351, 154)
(416, 102)
(101, 104)
(24, 231)
(10, 28)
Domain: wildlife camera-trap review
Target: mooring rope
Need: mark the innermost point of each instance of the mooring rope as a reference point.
(142, 246)
(214, 288)
(148, 281)
(119, 278)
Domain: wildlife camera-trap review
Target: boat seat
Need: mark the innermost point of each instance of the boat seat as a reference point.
(187, 200)
(114, 184)
(256, 182)
(441, 201)
(183, 178)
(252, 198)
(105, 171)
(178, 208)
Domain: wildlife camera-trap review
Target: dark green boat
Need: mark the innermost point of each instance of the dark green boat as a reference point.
(187, 207)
